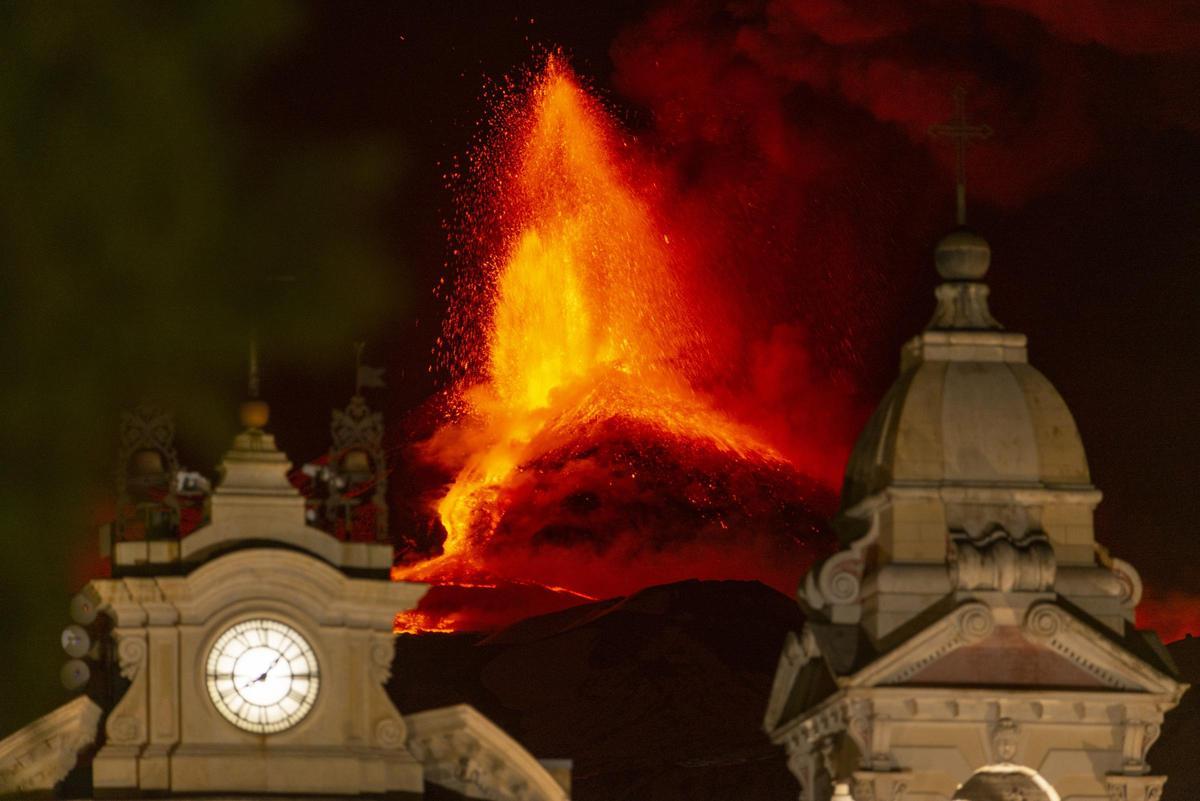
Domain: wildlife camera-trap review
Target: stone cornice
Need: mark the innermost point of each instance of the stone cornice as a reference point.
(465, 752)
(1025, 493)
(865, 722)
(971, 705)
(794, 657)
(1049, 625)
(39, 756)
(315, 587)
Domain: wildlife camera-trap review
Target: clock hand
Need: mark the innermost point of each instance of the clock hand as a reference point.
(263, 675)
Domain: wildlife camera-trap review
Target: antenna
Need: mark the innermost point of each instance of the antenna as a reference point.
(252, 376)
(358, 373)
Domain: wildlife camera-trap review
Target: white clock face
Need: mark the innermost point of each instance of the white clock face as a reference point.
(262, 676)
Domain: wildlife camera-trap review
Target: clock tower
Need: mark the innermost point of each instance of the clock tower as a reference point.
(255, 648)
(243, 643)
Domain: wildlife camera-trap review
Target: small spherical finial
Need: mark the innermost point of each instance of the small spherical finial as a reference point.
(255, 413)
(962, 255)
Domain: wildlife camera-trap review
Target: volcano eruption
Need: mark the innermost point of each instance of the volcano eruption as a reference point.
(587, 456)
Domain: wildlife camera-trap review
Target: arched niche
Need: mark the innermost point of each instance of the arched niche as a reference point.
(1006, 782)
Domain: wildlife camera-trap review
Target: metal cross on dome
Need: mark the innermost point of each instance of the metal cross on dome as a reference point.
(962, 133)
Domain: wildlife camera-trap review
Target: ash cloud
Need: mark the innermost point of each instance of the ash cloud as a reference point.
(795, 133)
(793, 169)
(794, 139)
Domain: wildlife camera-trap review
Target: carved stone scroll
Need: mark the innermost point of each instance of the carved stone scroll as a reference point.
(127, 722)
(1131, 582)
(1139, 736)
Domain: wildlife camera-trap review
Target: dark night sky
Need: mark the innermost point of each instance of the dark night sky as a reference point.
(1097, 265)
(158, 161)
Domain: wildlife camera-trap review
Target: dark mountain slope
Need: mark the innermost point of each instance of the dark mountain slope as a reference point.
(656, 696)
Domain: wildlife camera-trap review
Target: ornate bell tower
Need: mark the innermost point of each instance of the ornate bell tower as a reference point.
(243, 644)
(255, 648)
(971, 640)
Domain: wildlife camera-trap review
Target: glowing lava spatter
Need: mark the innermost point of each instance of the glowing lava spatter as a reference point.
(585, 322)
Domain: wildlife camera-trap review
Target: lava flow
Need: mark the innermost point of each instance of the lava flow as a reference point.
(586, 462)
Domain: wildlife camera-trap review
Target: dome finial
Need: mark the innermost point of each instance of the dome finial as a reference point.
(962, 256)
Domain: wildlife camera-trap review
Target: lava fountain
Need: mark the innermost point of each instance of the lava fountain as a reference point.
(577, 414)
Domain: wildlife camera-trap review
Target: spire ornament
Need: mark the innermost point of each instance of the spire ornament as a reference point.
(962, 256)
(357, 456)
(254, 412)
(961, 133)
(147, 465)
(252, 369)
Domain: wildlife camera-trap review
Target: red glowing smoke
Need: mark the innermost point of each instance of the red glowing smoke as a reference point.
(796, 135)
(795, 132)
(1172, 615)
(787, 167)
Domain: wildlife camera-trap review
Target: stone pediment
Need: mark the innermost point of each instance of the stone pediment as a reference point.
(806, 674)
(1006, 658)
(465, 752)
(1047, 647)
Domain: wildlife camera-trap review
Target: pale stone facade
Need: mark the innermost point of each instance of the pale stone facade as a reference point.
(172, 600)
(164, 734)
(971, 640)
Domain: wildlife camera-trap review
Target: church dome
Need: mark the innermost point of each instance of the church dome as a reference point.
(967, 423)
(967, 408)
